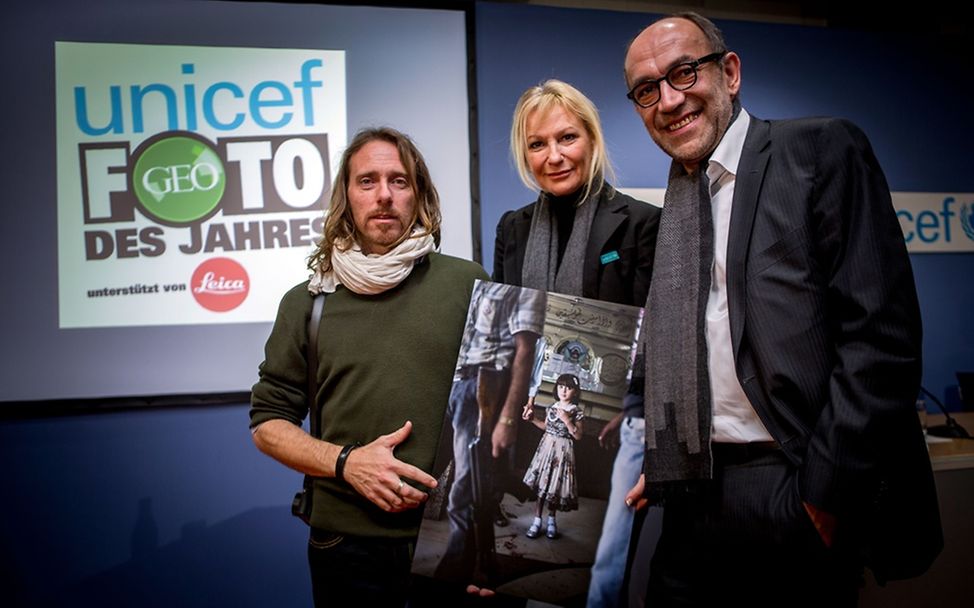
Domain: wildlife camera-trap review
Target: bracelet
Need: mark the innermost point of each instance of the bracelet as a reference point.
(505, 420)
(342, 457)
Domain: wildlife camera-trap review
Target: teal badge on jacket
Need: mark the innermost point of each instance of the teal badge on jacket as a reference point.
(606, 258)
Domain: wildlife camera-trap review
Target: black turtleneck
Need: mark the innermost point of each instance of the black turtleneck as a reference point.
(563, 208)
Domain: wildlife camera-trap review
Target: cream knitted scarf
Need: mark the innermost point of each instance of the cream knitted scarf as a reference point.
(373, 273)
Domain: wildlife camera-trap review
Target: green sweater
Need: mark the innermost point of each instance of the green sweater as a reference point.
(383, 359)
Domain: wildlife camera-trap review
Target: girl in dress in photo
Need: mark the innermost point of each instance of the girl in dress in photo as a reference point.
(551, 473)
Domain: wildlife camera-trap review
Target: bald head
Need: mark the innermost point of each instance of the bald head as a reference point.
(675, 57)
(712, 34)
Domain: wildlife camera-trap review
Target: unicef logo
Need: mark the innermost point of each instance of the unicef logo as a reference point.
(967, 220)
(179, 178)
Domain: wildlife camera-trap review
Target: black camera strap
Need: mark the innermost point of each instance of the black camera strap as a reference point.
(312, 356)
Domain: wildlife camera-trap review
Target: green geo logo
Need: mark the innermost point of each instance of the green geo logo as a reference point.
(179, 179)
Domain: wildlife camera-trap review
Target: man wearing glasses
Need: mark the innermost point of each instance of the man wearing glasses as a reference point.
(783, 348)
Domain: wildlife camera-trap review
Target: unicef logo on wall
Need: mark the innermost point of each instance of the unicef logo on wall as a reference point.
(178, 178)
(967, 220)
(936, 222)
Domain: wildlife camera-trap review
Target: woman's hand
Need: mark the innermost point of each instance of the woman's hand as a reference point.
(480, 591)
(375, 473)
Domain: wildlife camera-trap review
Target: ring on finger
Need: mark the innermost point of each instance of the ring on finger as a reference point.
(399, 489)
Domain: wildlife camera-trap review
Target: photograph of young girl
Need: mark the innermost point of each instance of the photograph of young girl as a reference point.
(551, 474)
(533, 520)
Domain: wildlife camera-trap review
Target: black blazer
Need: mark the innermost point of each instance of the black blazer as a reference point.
(622, 225)
(826, 333)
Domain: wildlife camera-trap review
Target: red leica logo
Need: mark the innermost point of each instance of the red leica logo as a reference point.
(220, 284)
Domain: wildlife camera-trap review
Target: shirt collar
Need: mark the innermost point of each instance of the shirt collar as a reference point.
(727, 155)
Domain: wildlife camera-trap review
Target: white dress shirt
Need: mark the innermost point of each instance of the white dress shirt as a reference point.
(734, 419)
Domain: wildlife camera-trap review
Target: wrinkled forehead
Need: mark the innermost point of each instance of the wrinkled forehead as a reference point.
(377, 156)
(663, 45)
(377, 151)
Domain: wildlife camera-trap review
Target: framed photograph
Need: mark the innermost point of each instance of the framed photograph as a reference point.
(541, 373)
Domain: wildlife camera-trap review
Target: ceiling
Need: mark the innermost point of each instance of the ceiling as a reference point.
(848, 14)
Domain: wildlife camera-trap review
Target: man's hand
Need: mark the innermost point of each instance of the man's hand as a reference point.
(503, 437)
(823, 521)
(376, 474)
(505, 431)
(634, 497)
(609, 435)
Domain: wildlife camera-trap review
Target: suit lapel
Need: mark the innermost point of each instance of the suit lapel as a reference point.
(608, 216)
(747, 188)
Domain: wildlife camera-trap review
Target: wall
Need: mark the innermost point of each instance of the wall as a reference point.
(168, 507)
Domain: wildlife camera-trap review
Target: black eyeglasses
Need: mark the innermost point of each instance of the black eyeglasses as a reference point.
(681, 77)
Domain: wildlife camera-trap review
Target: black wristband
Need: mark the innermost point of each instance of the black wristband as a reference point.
(342, 457)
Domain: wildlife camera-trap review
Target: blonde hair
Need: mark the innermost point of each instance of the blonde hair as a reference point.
(340, 229)
(542, 98)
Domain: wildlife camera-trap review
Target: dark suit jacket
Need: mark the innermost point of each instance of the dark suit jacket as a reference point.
(622, 225)
(826, 333)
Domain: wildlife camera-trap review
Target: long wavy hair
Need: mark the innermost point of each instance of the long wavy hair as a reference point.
(340, 229)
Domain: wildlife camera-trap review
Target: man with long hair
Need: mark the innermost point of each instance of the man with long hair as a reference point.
(388, 342)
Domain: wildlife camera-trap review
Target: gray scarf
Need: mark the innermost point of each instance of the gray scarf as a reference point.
(541, 253)
(677, 393)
